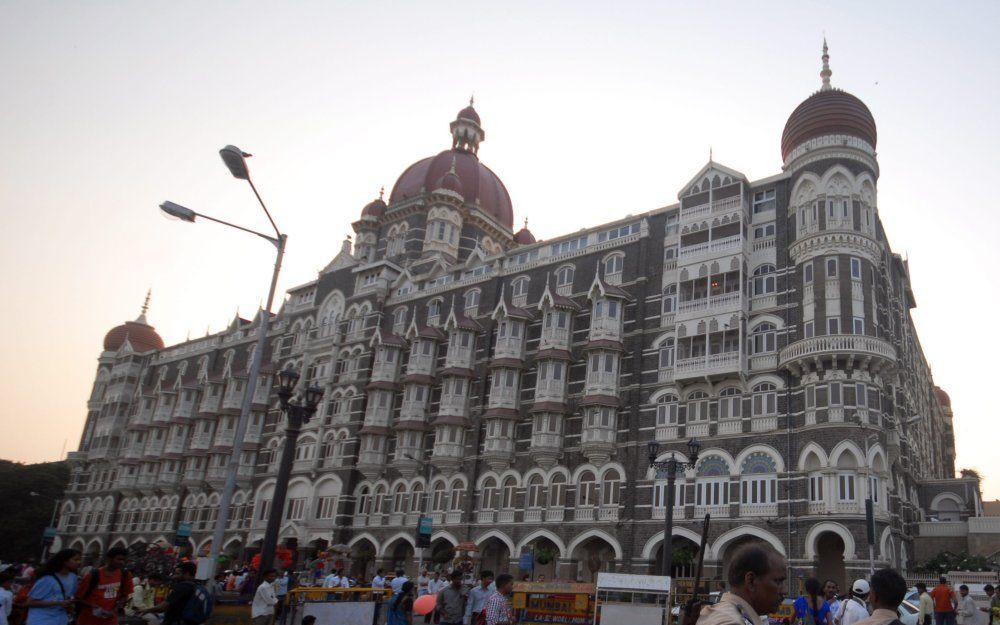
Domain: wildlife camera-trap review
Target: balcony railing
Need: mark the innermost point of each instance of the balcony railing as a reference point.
(848, 507)
(706, 365)
(759, 509)
(666, 432)
(546, 440)
(817, 507)
(659, 512)
(505, 516)
(697, 429)
(533, 515)
(460, 357)
(605, 328)
(764, 362)
(835, 344)
(485, 516)
(509, 347)
(503, 397)
(555, 338)
(764, 424)
(453, 517)
(555, 515)
(584, 513)
(607, 513)
(665, 375)
(731, 426)
(550, 390)
(717, 512)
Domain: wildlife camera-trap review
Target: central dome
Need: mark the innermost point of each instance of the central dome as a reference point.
(828, 112)
(479, 185)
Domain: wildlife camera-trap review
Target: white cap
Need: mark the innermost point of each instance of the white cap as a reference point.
(860, 587)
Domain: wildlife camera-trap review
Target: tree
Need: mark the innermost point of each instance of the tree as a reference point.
(22, 516)
(948, 561)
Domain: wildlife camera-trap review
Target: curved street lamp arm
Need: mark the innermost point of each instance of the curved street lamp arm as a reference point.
(262, 205)
(274, 241)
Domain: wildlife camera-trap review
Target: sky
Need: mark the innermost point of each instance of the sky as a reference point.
(592, 110)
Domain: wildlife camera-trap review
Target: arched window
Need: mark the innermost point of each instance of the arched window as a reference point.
(557, 491)
(712, 486)
(433, 309)
(536, 492)
(508, 494)
(399, 499)
(666, 410)
(586, 490)
(762, 339)
(611, 489)
(472, 302)
(847, 466)
(667, 352)
(417, 498)
(381, 500)
(519, 287)
(488, 497)
(765, 400)
(697, 407)
(764, 280)
(565, 275)
(399, 320)
(670, 299)
(613, 264)
(455, 496)
(758, 479)
(730, 403)
(364, 505)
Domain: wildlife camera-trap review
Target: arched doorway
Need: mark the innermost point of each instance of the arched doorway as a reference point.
(441, 556)
(685, 557)
(401, 556)
(830, 558)
(546, 557)
(592, 555)
(362, 557)
(494, 556)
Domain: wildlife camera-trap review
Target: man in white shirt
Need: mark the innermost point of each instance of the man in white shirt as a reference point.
(398, 581)
(854, 608)
(477, 598)
(378, 582)
(966, 607)
(436, 584)
(262, 608)
(422, 582)
(332, 580)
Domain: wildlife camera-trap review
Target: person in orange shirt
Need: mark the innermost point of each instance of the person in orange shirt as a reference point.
(944, 603)
(102, 593)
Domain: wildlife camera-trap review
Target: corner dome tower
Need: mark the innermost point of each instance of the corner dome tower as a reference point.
(459, 169)
(140, 335)
(828, 112)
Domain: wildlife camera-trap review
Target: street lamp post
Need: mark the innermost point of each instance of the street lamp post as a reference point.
(52, 521)
(670, 466)
(235, 160)
(870, 501)
(298, 414)
(430, 502)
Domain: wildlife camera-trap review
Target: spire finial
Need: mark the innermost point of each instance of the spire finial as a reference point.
(145, 304)
(525, 223)
(826, 72)
(381, 193)
(709, 154)
(452, 170)
(472, 99)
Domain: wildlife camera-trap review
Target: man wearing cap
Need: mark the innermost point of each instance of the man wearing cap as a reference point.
(756, 582)
(853, 609)
(887, 591)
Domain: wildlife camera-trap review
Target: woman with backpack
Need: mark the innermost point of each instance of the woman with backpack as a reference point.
(811, 608)
(50, 600)
(401, 606)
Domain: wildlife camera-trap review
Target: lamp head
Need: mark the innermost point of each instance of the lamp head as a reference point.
(693, 448)
(235, 160)
(313, 396)
(653, 448)
(286, 379)
(177, 211)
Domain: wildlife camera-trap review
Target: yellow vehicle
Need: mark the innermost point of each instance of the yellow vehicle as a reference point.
(554, 602)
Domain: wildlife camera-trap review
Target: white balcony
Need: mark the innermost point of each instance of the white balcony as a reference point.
(448, 450)
(605, 328)
(125, 481)
(413, 410)
(509, 347)
(154, 448)
(504, 396)
(810, 416)
(666, 432)
(184, 410)
(209, 403)
(659, 512)
(453, 405)
(194, 476)
(376, 519)
(730, 426)
(875, 351)
(724, 362)
(665, 376)
(848, 507)
(697, 429)
(554, 338)
(764, 362)
(607, 513)
(385, 371)
(727, 205)
(420, 364)
(584, 513)
(817, 507)
(759, 509)
(485, 516)
(453, 517)
(533, 515)
(602, 383)
(764, 424)
(946, 528)
(717, 512)
(201, 442)
(360, 520)
(835, 414)
(396, 518)
(555, 515)
(163, 411)
(224, 438)
(550, 390)
(169, 478)
(695, 212)
(763, 302)
(174, 446)
(458, 357)
(506, 516)
(546, 440)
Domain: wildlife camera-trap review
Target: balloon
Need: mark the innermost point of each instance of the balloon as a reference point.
(425, 604)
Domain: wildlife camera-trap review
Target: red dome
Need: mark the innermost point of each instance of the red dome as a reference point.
(828, 112)
(470, 114)
(141, 335)
(479, 184)
(524, 237)
(375, 208)
(450, 182)
(943, 398)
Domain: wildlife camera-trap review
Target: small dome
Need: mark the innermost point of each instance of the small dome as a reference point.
(375, 208)
(828, 112)
(140, 334)
(450, 182)
(470, 114)
(524, 236)
(943, 398)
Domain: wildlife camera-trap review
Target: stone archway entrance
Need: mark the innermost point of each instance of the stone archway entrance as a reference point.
(593, 555)
(546, 557)
(685, 557)
(362, 556)
(441, 556)
(494, 556)
(830, 558)
(400, 555)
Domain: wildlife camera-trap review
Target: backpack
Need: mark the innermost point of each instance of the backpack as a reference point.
(198, 608)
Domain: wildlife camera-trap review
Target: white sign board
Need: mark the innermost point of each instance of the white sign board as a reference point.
(633, 614)
(627, 581)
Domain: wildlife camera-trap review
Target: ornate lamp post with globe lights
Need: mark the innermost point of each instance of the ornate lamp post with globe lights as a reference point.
(298, 414)
(669, 468)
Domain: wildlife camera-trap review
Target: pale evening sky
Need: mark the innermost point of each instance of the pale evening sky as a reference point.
(591, 110)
